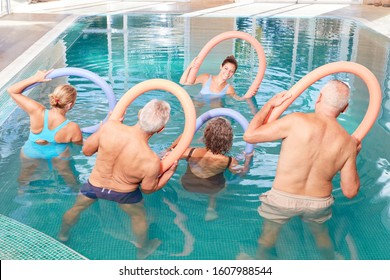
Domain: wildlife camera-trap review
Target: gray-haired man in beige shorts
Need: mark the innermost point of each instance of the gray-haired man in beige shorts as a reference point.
(315, 147)
(280, 207)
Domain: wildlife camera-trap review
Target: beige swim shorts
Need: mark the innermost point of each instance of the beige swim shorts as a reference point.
(280, 207)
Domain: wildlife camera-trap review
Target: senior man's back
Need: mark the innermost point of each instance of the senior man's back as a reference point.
(315, 149)
(124, 159)
(125, 166)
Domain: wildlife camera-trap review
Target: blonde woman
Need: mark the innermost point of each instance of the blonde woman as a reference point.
(48, 125)
(50, 130)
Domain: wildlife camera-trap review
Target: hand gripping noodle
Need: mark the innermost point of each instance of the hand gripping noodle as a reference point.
(73, 71)
(185, 101)
(225, 36)
(359, 70)
(218, 112)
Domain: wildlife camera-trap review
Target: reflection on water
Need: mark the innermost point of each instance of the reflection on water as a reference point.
(125, 50)
(384, 121)
(384, 194)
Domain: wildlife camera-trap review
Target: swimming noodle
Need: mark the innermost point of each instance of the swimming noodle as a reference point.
(218, 112)
(225, 36)
(359, 70)
(73, 71)
(185, 101)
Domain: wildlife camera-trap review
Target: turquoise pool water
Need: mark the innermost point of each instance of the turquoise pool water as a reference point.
(125, 50)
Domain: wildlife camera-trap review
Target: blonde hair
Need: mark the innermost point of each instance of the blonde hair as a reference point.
(62, 96)
(336, 94)
(154, 115)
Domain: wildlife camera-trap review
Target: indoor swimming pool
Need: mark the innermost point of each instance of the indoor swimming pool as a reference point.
(127, 49)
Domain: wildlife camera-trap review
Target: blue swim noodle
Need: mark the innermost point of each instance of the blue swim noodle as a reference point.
(225, 112)
(73, 71)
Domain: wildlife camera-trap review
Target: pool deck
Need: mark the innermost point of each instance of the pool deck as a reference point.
(31, 26)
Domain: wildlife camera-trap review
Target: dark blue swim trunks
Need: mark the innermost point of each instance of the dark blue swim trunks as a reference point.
(125, 198)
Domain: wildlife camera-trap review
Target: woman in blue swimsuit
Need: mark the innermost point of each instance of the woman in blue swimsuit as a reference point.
(50, 130)
(215, 86)
(48, 126)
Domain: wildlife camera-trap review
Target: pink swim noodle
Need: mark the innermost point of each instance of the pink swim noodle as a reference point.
(185, 101)
(231, 35)
(359, 70)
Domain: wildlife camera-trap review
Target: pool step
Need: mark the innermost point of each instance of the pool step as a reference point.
(21, 242)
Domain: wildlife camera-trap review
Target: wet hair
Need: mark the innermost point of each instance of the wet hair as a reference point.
(231, 59)
(62, 96)
(218, 136)
(154, 115)
(336, 94)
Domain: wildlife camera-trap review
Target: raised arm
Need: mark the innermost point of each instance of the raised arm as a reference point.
(251, 93)
(252, 106)
(184, 76)
(257, 131)
(27, 104)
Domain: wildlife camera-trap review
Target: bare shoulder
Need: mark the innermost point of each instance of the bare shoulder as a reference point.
(350, 141)
(302, 124)
(38, 111)
(112, 128)
(202, 78)
(77, 135)
(231, 90)
(152, 165)
(74, 127)
(295, 118)
(298, 116)
(109, 124)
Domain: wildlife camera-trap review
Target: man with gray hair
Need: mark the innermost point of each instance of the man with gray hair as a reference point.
(315, 147)
(125, 166)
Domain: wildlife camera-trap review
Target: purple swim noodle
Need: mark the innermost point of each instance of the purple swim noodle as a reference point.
(225, 112)
(73, 71)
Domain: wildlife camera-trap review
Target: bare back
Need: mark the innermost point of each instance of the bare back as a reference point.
(124, 158)
(205, 164)
(315, 149)
(69, 133)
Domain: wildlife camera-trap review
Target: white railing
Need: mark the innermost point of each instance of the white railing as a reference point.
(5, 7)
(309, 1)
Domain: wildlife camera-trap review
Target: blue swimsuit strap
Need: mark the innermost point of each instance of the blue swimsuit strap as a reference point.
(208, 83)
(47, 134)
(46, 125)
(55, 130)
